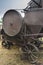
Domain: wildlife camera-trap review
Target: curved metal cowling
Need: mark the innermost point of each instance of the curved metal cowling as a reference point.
(34, 19)
(12, 22)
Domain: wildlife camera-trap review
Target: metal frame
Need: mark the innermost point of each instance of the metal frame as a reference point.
(39, 5)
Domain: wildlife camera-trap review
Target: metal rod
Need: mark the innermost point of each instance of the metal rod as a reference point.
(41, 34)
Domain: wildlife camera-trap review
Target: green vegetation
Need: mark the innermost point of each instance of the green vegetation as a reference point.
(0, 20)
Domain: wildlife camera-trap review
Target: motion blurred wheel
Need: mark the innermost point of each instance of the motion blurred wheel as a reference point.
(3, 43)
(32, 52)
(6, 44)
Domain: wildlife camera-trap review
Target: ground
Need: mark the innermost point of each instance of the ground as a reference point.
(12, 56)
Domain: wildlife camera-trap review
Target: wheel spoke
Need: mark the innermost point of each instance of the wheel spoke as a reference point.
(33, 50)
(32, 59)
(34, 56)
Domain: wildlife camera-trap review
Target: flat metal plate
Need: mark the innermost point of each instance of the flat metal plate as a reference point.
(34, 19)
(12, 22)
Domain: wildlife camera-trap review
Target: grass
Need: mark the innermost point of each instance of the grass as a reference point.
(12, 56)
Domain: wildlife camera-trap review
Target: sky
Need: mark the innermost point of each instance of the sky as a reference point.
(12, 4)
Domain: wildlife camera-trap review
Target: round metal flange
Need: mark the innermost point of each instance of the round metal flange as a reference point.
(12, 22)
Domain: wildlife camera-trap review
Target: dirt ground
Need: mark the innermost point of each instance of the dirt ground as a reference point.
(12, 57)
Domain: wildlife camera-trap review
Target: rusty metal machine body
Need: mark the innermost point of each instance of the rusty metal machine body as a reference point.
(19, 31)
(31, 25)
(14, 24)
(23, 31)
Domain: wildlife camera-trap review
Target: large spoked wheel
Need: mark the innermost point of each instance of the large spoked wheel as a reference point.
(32, 52)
